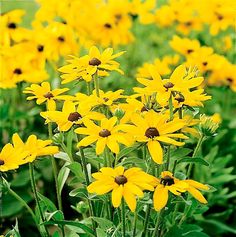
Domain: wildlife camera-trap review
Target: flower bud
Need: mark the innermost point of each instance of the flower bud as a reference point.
(207, 125)
(82, 207)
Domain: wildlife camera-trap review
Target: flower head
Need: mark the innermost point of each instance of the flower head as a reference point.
(86, 66)
(44, 93)
(127, 184)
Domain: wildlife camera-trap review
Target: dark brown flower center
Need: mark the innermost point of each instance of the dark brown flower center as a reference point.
(61, 39)
(219, 17)
(94, 62)
(188, 23)
(108, 26)
(180, 98)
(105, 99)
(152, 132)
(48, 95)
(2, 162)
(168, 85)
(167, 181)
(144, 109)
(104, 133)
(74, 116)
(229, 79)
(189, 51)
(121, 179)
(204, 63)
(12, 25)
(40, 48)
(17, 71)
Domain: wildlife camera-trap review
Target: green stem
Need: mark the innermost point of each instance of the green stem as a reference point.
(22, 201)
(135, 223)
(171, 108)
(96, 84)
(33, 184)
(88, 88)
(108, 161)
(168, 158)
(84, 165)
(146, 221)
(194, 154)
(55, 171)
(156, 232)
(123, 217)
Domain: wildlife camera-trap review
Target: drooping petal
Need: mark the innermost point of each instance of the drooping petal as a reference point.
(160, 197)
(116, 196)
(155, 150)
(197, 194)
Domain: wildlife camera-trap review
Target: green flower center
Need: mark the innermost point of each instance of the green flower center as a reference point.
(121, 179)
(167, 181)
(152, 132)
(104, 133)
(94, 62)
(74, 116)
(2, 162)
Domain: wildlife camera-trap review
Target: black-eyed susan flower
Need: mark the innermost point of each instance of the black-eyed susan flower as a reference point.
(70, 115)
(128, 184)
(34, 147)
(107, 134)
(11, 157)
(153, 128)
(168, 183)
(86, 66)
(43, 93)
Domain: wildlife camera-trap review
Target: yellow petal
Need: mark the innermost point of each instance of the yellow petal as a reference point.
(160, 197)
(116, 196)
(129, 199)
(196, 194)
(100, 145)
(156, 152)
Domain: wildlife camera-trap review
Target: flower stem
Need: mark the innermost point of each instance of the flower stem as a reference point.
(83, 161)
(146, 221)
(156, 232)
(33, 184)
(88, 88)
(123, 216)
(55, 171)
(171, 108)
(22, 201)
(194, 154)
(135, 223)
(96, 83)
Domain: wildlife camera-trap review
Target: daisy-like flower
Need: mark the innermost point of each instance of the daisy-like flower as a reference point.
(105, 98)
(70, 115)
(107, 134)
(127, 184)
(44, 93)
(169, 183)
(34, 147)
(86, 66)
(153, 128)
(11, 158)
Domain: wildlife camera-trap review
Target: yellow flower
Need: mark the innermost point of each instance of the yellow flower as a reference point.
(184, 46)
(44, 93)
(86, 66)
(169, 183)
(105, 98)
(70, 115)
(34, 147)
(153, 128)
(127, 184)
(11, 158)
(107, 134)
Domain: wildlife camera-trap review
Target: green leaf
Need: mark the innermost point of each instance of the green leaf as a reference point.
(127, 150)
(62, 176)
(71, 223)
(47, 202)
(180, 153)
(103, 223)
(76, 168)
(194, 160)
(100, 232)
(79, 192)
(196, 234)
(220, 225)
(62, 156)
